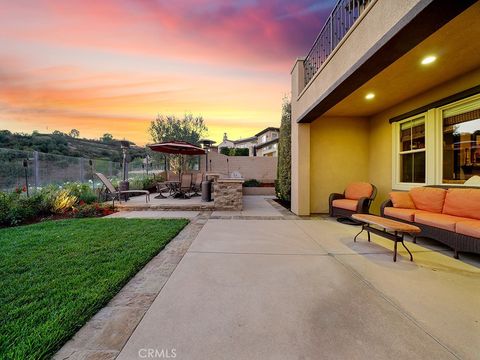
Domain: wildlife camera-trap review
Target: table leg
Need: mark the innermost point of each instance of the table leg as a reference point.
(395, 247)
(363, 228)
(411, 256)
(368, 232)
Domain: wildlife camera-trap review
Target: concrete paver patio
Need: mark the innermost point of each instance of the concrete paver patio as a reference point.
(301, 289)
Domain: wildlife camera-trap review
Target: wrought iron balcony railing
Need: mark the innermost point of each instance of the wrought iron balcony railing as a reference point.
(340, 20)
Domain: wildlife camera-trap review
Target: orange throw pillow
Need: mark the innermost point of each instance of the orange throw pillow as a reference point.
(402, 200)
(428, 199)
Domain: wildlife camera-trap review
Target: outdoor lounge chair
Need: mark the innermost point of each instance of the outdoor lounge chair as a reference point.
(197, 185)
(356, 198)
(116, 194)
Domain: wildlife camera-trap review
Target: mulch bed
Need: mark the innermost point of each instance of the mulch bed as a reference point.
(285, 204)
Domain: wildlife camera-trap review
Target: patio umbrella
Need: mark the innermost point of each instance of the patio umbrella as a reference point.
(177, 147)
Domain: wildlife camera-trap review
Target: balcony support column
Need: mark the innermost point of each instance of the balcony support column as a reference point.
(300, 151)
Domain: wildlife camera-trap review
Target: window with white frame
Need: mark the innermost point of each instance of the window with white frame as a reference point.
(412, 151)
(461, 144)
(409, 152)
(440, 146)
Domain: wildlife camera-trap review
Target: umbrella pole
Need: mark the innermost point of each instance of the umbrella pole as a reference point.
(180, 169)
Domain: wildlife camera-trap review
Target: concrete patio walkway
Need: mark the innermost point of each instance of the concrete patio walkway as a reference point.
(301, 289)
(265, 284)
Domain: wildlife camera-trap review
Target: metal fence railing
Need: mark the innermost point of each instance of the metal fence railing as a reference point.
(19, 168)
(343, 16)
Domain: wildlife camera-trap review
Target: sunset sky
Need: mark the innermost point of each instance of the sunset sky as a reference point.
(113, 65)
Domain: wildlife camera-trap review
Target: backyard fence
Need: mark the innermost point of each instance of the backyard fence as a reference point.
(17, 168)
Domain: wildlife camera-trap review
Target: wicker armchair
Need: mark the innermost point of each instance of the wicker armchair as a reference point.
(356, 198)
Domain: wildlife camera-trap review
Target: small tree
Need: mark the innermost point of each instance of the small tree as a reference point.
(107, 138)
(284, 177)
(74, 133)
(170, 127)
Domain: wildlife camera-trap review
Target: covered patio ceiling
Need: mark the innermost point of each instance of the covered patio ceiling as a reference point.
(456, 47)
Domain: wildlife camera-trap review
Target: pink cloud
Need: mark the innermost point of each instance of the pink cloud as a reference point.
(96, 61)
(267, 33)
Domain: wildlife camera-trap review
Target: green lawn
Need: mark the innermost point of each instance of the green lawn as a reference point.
(55, 275)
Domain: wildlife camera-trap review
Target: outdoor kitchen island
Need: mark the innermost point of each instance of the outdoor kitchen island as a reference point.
(227, 194)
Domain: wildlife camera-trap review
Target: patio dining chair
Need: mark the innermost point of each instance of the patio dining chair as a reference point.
(185, 186)
(116, 194)
(163, 190)
(197, 185)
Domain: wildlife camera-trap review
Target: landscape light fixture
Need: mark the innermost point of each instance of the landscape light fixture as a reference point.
(124, 184)
(369, 96)
(428, 59)
(90, 162)
(125, 145)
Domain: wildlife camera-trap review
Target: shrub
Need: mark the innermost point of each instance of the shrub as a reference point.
(239, 152)
(83, 192)
(225, 151)
(92, 210)
(251, 183)
(17, 208)
(63, 202)
(283, 183)
(47, 196)
(144, 183)
(73, 200)
(235, 151)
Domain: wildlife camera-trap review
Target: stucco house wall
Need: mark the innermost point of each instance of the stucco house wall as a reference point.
(263, 169)
(322, 147)
(338, 155)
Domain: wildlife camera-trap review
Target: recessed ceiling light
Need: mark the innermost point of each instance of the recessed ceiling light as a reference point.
(369, 96)
(428, 59)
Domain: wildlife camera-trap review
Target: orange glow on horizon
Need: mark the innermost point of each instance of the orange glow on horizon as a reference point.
(112, 66)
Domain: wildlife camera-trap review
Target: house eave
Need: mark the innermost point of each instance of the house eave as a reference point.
(422, 21)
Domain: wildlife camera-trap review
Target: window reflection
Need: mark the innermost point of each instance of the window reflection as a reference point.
(461, 147)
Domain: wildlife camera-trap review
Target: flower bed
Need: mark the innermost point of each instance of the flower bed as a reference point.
(52, 202)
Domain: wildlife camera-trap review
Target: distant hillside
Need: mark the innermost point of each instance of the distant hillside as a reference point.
(63, 144)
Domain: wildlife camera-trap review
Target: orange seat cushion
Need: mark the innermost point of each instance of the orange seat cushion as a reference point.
(463, 202)
(469, 228)
(403, 214)
(441, 221)
(428, 199)
(402, 200)
(355, 191)
(347, 204)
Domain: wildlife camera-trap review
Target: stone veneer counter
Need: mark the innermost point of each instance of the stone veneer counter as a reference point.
(227, 194)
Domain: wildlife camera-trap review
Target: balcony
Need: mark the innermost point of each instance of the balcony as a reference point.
(341, 19)
(359, 40)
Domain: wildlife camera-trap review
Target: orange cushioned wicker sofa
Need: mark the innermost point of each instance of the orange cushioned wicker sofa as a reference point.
(450, 216)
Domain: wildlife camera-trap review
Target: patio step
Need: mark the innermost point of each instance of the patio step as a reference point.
(165, 207)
